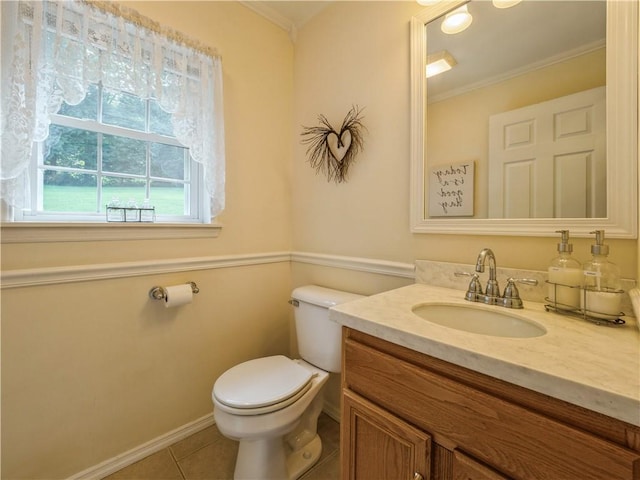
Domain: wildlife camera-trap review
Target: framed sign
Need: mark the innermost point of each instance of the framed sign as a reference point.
(451, 190)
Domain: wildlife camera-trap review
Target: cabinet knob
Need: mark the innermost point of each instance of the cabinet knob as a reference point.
(417, 476)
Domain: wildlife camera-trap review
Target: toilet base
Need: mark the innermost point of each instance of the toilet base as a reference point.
(302, 460)
(268, 456)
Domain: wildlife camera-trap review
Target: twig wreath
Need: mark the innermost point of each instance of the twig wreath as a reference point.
(333, 152)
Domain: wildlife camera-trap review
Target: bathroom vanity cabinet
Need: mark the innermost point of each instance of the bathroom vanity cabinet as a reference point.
(407, 415)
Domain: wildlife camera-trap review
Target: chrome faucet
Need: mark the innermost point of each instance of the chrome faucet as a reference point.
(492, 293)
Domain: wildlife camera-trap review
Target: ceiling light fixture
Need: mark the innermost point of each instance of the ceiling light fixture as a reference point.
(505, 3)
(457, 20)
(439, 62)
(427, 3)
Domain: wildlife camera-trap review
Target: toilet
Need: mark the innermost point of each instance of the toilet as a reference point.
(271, 404)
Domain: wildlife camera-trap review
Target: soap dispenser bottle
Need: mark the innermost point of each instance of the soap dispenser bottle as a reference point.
(565, 277)
(602, 295)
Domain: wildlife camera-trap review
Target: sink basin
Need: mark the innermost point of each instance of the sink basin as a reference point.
(484, 321)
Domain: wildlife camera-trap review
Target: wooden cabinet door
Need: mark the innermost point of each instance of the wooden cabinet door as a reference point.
(466, 468)
(517, 440)
(377, 445)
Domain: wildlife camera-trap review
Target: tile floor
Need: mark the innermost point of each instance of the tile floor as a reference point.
(207, 455)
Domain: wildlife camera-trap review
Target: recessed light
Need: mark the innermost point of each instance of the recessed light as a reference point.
(505, 3)
(439, 62)
(457, 20)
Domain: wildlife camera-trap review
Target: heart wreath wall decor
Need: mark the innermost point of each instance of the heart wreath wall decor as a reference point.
(333, 152)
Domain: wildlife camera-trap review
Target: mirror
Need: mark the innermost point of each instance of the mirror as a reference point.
(615, 210)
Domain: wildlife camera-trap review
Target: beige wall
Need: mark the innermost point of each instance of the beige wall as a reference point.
(93, 369)
(257, 61)
(358, 53)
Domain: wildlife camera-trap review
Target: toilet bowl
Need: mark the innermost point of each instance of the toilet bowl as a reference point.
(281, 443)
(271, 404)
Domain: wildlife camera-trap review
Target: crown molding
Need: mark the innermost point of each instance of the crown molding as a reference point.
(271, 14)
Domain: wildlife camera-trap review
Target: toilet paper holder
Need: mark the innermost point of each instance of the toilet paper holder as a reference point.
(159, 293)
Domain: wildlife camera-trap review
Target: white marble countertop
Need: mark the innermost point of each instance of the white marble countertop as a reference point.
(593, 366)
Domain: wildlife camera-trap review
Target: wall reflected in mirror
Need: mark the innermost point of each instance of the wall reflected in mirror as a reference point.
(525, 105)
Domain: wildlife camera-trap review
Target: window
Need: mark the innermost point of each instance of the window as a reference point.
(106, 108)
(112, 149)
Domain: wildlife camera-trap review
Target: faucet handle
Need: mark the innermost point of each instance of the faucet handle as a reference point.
(511, 298)
(474, 291)
(464, 274)
(524, 281)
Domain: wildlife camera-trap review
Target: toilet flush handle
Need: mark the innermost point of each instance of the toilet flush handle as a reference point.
(294, 302)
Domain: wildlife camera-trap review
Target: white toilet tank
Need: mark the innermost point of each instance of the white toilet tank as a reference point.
(319, 339)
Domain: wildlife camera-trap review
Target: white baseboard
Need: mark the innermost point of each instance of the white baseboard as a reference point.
(163, 441)
(138, 453)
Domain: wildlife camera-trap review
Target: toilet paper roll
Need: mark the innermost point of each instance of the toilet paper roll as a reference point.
(177, 295)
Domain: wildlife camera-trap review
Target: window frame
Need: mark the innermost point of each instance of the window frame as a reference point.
(194, 184)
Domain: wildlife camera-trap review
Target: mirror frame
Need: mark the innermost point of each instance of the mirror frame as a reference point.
(622, 139)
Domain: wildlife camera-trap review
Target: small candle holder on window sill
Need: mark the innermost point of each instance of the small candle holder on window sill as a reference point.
(131, 214)
(588, 311)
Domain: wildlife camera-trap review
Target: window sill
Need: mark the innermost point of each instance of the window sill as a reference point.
(24, 232)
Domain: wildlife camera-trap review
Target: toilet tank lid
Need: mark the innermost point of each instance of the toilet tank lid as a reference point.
(323, 297)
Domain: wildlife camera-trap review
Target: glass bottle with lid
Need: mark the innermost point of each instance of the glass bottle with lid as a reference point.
(565, 276)
(602, 294)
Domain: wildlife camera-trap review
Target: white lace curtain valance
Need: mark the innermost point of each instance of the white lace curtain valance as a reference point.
(53, 50)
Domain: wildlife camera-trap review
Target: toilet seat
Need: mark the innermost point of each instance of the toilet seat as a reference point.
(262, 385)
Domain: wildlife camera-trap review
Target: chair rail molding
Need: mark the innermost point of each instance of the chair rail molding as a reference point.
(383, 267)
(31, 277)
(83, 273)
